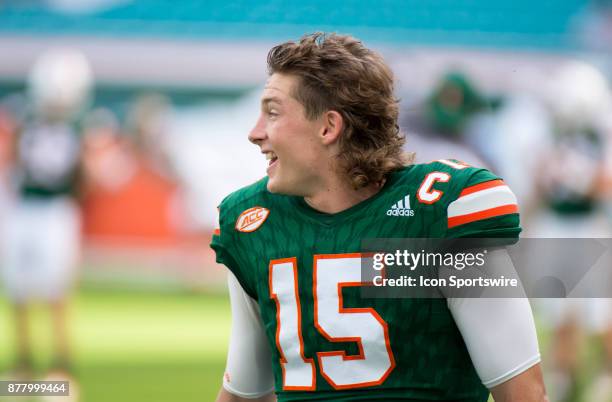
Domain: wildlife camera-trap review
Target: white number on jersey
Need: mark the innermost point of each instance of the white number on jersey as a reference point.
(334, 321)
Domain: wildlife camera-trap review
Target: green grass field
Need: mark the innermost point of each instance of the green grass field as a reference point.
(137, 346)
(133, 346)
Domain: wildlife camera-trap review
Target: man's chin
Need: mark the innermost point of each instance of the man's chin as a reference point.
(272, 185)
(275, 187)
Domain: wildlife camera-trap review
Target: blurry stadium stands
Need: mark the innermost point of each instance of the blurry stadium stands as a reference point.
(520, 23)
(221, 44)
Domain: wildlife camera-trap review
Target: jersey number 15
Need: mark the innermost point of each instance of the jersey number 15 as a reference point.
(335, 322)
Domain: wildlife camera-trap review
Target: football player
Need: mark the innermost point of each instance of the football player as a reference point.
(42, 231)
(337, 175)
(570, 184)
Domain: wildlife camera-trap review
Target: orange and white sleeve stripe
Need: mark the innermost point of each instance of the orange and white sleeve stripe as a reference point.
(482, 201)
(217, 230)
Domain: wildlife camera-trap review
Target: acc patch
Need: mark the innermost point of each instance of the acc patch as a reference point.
(251, 219)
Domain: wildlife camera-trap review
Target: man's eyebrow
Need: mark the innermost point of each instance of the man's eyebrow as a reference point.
(265, 101)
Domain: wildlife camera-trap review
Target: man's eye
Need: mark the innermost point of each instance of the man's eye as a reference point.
(272, 113)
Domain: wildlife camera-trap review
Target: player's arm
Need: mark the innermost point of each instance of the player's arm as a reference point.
(527, 386)
(499, 333)
(248, 373)
(226, 396)
(501, 339)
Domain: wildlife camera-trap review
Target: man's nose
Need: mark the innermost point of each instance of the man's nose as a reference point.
(258, 132)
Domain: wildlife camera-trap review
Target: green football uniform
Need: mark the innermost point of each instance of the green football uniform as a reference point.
(303, 269)
(48, 158)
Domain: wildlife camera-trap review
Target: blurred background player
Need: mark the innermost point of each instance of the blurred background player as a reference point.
(437, 122)
(41, 243)
(569, 184)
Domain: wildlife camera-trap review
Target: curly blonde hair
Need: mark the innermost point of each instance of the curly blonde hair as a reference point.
(337, 72)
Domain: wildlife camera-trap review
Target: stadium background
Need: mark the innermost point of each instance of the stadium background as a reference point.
(150, 316)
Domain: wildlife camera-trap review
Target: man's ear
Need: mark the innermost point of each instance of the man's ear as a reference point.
(333, 124)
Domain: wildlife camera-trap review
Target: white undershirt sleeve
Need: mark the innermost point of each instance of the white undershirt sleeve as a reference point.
(248, 372)
(499, 333)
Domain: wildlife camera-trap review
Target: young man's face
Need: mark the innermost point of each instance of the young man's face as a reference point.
(291, 142)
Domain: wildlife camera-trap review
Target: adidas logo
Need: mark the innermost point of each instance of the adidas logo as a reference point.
(401, 208)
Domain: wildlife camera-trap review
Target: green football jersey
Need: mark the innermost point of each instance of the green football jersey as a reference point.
(48, 158)
(303, 269)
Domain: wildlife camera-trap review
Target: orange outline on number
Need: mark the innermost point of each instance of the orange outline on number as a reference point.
(344, 310)
(282, 359)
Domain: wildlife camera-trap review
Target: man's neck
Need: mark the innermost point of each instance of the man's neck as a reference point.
(339, 196)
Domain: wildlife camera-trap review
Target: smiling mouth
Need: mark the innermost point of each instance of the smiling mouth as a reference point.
(271, 157)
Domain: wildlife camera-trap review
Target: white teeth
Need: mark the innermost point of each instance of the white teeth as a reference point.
(270, 155)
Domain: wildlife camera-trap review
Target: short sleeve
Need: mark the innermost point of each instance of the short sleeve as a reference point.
(485, 207)
(222, 243)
